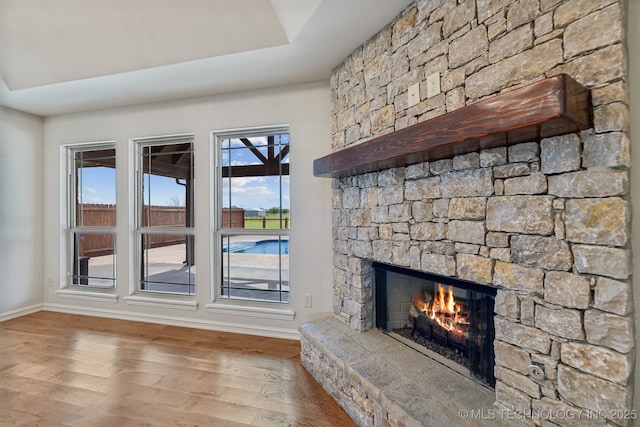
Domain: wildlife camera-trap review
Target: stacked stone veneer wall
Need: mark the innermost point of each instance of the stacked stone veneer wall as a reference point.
(547, 222)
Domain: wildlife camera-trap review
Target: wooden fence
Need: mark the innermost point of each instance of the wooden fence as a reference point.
(97, 215)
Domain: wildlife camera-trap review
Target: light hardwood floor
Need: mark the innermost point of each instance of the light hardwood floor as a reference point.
(69, 370)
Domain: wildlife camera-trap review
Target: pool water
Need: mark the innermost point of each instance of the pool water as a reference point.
(266, 247)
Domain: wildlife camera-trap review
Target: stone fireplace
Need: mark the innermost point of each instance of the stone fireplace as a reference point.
(544, 221)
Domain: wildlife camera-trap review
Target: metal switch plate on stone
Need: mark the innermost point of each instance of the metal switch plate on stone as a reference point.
(433, 85)
(413, 94)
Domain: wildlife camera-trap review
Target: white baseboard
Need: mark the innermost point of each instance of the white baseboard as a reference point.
(212, 325)
(20, 312)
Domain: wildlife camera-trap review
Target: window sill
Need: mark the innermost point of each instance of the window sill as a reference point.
(242, 310)
(87, 295)
(161, 303)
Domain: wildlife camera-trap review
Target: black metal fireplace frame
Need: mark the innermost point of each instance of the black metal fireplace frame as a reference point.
(480, 352)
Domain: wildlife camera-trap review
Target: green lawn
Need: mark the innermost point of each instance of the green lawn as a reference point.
(271, 221)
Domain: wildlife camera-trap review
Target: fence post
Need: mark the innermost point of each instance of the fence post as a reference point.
(264, 222)
(286, 223)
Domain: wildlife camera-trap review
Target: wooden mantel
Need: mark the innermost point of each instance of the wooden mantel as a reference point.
(550, 107)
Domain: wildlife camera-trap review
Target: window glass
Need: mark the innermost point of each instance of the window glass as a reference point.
(166, 255)
(93, 216)
(254, 215)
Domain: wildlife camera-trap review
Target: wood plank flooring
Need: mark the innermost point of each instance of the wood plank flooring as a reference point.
(69, 370)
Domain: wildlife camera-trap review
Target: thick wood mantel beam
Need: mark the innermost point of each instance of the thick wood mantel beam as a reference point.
(553, 106)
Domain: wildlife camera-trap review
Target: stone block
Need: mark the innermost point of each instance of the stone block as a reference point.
(589, 183)
(360, 248)
(497, 240)
(472, 183)
(422, 211)
(535, 183)
(428, 231)
(468, 47)
(522, 336)
(521, 12)
(514, 276)
(403, 26)
(502, 254)
(369, 197)
(519, 68)
(603, 261)
(560, 154)
(598, 221)
(597, 68)
(520, 214)
(380, 214)
(351, 198)
(458, 17)
(468, 248)
(420, 170)
(359, 218)
(613, 296)
(382, 251)
(444, 265)
(423, 189)
(511, 357)
(609, 20)
(511, 170)
(468, 208)
(440, 167)
(607, 150)
(493, 157)
(527, 310)
(441, 208)
(466, 161)
(488, 8)
(516, 400)
(517, 381)
(388, 177)
(474, 268)
(466, 231)
(611, 117)
(507, 305)
(599, 361)
(541, 252)
(390, 195)
(567, 289)
(400, 213)
(400, 253)
(588, 391)
(525, 152)
(385, 231)
(561, 322)
(609, 330)
(511, 44)
(568, 12)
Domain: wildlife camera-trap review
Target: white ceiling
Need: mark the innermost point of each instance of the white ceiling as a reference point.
(60, 56)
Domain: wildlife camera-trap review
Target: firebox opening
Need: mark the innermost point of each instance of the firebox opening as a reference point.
(445, 318)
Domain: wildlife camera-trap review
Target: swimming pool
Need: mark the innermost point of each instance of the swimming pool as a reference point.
(265, 247)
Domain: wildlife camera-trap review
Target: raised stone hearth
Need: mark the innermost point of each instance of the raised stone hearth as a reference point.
(371, 370)
(545, 221)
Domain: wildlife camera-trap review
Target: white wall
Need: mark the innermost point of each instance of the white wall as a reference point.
(305, 108)
(21, 213)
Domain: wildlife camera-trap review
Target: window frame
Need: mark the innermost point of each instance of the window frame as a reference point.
(73, 229)
(138, 211)
(218, 231)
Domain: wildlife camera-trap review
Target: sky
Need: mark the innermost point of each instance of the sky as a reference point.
(98, 186)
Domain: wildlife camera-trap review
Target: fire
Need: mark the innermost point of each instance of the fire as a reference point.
(444, 310)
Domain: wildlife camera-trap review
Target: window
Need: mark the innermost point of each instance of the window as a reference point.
(166, 241)
(92, 215)
(253, 214)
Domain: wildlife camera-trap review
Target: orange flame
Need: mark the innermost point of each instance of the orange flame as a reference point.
(444, 309)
